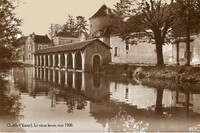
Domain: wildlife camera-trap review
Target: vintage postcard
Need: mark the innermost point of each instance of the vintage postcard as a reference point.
(99, 66)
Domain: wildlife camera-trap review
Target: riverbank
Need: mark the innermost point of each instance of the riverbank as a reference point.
(177, 74)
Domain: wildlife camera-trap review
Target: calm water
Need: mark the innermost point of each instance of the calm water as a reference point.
(40, 99)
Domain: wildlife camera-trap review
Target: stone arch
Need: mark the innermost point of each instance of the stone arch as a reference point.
(78, 81)
(51, 60)
(96, 61)
(39, 60)
(46, 60)
(69, 60)
(56, 60)
(78, 61)
(62, 60)
(42, 60)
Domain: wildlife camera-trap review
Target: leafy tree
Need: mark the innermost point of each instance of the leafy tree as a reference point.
(75, 27)
(81, 25)
(187, 22)
(70, 26)
(149, 18)
(8, 28)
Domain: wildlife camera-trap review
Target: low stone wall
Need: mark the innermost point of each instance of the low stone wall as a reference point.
(176, 73)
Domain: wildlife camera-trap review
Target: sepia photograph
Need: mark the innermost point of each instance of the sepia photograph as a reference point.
(99, 66)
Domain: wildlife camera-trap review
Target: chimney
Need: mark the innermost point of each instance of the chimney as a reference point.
(33, 36)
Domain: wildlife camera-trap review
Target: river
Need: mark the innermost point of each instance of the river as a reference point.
(38, 99)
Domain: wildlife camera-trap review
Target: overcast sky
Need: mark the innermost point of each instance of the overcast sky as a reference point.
(38, 15)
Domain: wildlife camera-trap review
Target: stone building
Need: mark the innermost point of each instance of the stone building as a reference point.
(20, 43)
(142, 53)
(80, 56)
(28, 45)
(64, 38)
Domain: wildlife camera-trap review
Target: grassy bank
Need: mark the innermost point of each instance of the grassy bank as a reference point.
(175, 73)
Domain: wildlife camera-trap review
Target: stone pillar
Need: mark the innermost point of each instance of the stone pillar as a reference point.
(73, 61)
(49, 74)
(54, 75)
(44, 57)
(83, 82)
(59, 60)
(44, 74)
(54, 62)
(66, 61)
(34, 62)
(40, 73)
(66, 74)
(73, 80)
(59, 77)
(37, 73)
(40, 60)
(49, 61)
(83, 60)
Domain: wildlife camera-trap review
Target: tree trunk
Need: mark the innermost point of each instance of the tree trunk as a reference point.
(188, 35)
(177, 53)
(158, 108)
(159, 51)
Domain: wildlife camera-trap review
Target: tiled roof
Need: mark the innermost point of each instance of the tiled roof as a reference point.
(70, 47)
(62, 34)
(101, 12)
(21, 40)
(42, 39)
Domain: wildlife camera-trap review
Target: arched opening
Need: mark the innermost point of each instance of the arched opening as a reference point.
(78, 81)
(62, 60)
(51, 60)
(46, 60)
(70, 79)
(42, 60)
(56, 60)
(69, 60)
(78, 61)
(96, 61)
(39, 61)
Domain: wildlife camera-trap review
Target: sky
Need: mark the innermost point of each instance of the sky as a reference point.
(38, 15)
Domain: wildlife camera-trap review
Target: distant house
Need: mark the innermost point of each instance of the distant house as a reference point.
(64, 38)
(27, 45)
(20, 44)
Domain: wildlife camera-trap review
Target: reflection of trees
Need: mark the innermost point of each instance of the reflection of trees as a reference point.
(9, 107)
(126, 123)
(73, 100)
(9, 103)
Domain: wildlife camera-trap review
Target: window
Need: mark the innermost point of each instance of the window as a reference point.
(90, 25)
(127, 46)
(127, 93)
(39, 47)
(29, 56)
(116, 51)
(45, 46)
(29, 47)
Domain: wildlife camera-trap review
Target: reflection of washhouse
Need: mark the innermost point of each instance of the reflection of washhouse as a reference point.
(74, 80)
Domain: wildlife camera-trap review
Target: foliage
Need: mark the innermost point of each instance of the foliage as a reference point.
(74, 27)
(8, 28)
(149, 18)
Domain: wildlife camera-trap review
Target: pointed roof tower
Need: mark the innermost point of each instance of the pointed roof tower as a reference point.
(103, 11)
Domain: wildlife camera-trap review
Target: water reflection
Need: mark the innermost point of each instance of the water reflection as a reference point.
(105, 103)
